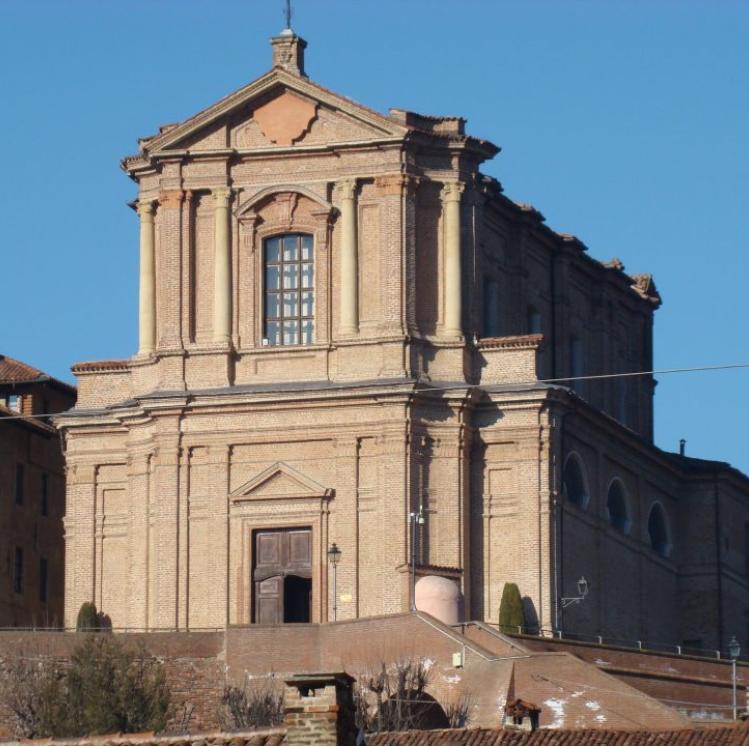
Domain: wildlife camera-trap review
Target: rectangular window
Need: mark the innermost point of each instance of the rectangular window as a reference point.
(43, 582)
(20, 477)
(289, 290)
(44, 507)
(14, 402)
(18, 571)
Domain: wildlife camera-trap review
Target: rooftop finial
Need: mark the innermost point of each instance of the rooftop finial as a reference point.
(287, 14)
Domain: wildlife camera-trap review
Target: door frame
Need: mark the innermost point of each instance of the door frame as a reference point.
(253, 543)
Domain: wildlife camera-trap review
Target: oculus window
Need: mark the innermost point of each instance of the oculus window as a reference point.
(289, 303)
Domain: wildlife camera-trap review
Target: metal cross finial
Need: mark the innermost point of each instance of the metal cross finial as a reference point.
(288, 13)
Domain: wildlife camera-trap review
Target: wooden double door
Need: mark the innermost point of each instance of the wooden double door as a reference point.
(282, 576)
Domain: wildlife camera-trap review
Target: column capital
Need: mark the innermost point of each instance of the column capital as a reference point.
(451, 191)
(145, 209)
(346, 189)
(221, 195)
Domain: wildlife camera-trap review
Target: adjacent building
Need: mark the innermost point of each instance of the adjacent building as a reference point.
(32, 496)
(347, 332)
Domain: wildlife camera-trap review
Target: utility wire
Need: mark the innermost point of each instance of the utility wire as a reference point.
(490, 387)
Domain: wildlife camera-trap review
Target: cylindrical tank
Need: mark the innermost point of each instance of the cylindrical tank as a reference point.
(441, 598)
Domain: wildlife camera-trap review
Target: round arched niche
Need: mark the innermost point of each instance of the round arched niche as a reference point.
(617, 506)
(575, 482)
(441, 598)
(659, 531)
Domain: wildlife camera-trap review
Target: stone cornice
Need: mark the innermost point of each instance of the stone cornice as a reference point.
(515, 342)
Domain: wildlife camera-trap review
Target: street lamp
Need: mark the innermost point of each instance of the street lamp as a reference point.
(734, 650)
(415, 519)
(334, 556)
(582, 592)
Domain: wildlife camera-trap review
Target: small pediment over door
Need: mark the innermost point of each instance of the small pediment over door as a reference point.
(278, 482)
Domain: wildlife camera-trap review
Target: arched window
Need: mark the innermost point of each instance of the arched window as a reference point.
(616, 504)
(574, 482)
(289, 308)
(534, 320)
(660, 537)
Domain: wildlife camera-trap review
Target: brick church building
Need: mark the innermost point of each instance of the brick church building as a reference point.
(343, 322)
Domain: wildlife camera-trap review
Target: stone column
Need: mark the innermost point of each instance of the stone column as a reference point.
(349, 280)
(147, 318)
(451, 192)
(222, 268)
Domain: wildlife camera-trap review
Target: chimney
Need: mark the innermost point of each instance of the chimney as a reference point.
(319, 710)
(288, 52)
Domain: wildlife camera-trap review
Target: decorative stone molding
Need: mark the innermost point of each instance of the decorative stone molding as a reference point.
(286, 119)
(515, 342)
(452, 191)
(280, 481)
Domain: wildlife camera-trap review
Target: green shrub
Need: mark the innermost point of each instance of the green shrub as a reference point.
(511, 609)
(107, 688)
(88, 618)
(113, 689)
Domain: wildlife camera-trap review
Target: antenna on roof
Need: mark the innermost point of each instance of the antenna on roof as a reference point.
(287, 15)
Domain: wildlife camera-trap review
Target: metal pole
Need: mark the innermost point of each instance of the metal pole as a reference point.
(733, 677)
(413, 561)
(335, 592)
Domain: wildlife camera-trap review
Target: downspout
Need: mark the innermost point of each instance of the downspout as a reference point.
(718, 560)
(557, 518)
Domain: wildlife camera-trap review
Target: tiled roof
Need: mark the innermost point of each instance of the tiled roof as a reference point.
(266, 737)
(14, 371)
(718, 736)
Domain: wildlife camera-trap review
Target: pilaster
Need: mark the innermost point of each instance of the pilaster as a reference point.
(169, 295)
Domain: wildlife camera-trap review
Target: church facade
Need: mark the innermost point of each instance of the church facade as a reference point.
(344, 326)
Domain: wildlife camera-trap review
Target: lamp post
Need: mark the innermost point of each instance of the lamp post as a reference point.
(334, 556)
(734, 650)
(582, 592)
(415, 519)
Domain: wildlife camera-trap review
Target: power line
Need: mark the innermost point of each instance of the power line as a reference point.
(490, 387)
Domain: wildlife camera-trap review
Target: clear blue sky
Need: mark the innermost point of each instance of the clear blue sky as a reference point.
(624, 122)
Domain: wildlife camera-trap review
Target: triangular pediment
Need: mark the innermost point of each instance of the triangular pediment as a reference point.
(280, 481)
(278, 109)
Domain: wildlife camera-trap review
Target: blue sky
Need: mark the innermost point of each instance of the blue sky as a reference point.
(623, 122)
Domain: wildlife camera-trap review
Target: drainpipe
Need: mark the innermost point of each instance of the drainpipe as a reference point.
(557, 522)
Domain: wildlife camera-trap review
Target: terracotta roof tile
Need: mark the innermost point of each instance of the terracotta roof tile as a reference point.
(100, 365)
(733, 735)
(14, 371)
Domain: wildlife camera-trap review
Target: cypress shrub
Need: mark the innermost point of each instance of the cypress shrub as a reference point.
(88, 618)
(511, 609)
